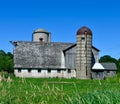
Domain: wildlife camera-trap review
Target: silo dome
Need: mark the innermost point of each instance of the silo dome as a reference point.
(84, 30)
(41, 30)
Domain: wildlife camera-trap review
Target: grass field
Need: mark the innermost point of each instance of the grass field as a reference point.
(60, 91)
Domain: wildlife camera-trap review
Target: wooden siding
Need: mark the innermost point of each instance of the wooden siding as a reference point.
(70, 56)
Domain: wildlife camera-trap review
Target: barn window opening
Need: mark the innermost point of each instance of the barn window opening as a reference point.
(19, 70)
(58, 70)
(29, 70)
(69, 70)
(82, 38)
(41, 39)
(39, 70)
(108, 71)
(49, 70)
(64, 69)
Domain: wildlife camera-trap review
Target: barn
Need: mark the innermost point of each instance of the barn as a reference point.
(41, 58)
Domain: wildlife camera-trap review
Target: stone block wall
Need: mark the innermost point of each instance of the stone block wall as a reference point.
(44, 73)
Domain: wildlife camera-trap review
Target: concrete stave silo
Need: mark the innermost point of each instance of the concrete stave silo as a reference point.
(84, 53)
(41, 35)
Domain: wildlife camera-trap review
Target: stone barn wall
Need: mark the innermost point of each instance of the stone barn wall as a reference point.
(45, 73)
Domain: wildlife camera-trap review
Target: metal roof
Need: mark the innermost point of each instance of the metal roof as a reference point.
(109, 66)
(104, 66)
(97, 66)
(84, 30)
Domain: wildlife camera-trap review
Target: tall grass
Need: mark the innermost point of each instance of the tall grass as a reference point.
(60, 91)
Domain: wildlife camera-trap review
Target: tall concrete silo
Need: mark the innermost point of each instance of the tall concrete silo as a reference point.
(84, 53)
(41, 35)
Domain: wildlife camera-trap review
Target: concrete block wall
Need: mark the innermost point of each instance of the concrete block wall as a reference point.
(64, 73)
(84, 56)
(38, 36)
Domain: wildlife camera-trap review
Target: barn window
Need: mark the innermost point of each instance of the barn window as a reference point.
(39, 70)
(69, 70)
(19, 70)
(82, 38)
(49, 70)
(58, 70)
(64, 69)
(108, 71)
(29, 70)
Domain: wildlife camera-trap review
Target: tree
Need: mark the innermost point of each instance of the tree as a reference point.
(108, 58)
(2, 53)
(10, 55)
(118, 65)
(6, 61)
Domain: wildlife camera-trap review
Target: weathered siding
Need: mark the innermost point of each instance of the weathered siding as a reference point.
(70, 56)
(39, 55)
(96, 55)
(101, 74)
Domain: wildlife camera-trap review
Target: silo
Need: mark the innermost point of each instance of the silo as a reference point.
(84, 53)
(41, 35)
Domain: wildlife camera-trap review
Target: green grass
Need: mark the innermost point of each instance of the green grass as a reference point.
(60, 91)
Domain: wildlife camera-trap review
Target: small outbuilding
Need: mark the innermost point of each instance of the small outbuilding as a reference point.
(103, 70)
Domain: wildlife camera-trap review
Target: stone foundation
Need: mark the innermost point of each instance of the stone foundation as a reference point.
(45, 73)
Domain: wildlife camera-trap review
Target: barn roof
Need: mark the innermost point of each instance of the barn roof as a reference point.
(38, 55)
(104, 66)
(97, 66)
(109, 66)
(84, 29)
(74, 45)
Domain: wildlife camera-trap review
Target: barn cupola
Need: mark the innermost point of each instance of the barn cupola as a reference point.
(84, 53)
(41, 35)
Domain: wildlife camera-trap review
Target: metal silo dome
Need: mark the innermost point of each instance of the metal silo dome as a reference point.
(84, 30)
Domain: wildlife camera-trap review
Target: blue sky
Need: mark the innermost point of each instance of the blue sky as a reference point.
(19, 18)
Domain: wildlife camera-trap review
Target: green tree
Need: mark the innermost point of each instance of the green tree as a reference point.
(2, 53)
(6, 61)
(10, 55)
(108, 58)
(118, 65)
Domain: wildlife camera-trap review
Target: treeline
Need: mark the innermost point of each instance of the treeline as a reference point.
(108, 58)
(6, 61)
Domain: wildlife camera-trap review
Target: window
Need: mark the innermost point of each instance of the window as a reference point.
(19, 70)
(69, 70)
(108, 71)
(64, 69)
(49, 70)
(58, 70)
(39, 70)
(41, 39)
(82, 38)
(29, 70)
